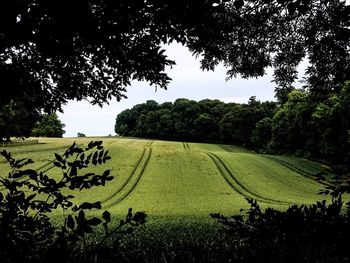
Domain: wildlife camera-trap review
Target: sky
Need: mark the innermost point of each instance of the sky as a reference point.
(188, 81)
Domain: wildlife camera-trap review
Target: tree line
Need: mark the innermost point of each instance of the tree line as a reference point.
(302, 125)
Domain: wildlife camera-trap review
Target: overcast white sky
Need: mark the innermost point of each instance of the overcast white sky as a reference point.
(189, 81)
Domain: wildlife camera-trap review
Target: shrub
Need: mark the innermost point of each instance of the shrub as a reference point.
(306, 233)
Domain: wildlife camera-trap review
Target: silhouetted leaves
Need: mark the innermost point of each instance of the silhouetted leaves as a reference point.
(29, 196)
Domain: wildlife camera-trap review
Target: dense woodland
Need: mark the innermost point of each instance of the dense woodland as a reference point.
(302, 125)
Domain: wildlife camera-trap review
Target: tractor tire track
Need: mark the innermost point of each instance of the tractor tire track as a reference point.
(51, 162)
(46, 165)
(148, 144)
(295, 169)
(186, 146)
(226, 148)
(120, 188)
(145, 158)
(236, 185)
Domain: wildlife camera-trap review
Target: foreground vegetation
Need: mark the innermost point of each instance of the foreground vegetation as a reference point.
(178, 184)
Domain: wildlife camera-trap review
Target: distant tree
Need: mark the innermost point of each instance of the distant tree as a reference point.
(147, 125)
(79, 134)
(238, 124)
(126, 122)
(234, 126)
(206, 120)
(185, 112)
(49, 126)
(292, 129)
(206, 128)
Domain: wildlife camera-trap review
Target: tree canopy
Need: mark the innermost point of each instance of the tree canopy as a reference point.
(206, 120)
(255, 35)
(59, 50)
(54, 51)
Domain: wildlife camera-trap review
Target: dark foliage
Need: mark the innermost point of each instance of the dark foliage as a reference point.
(28, 198)
(254, 35)
(59, 50)
(307, 233)
(206, 120)
(17, 119)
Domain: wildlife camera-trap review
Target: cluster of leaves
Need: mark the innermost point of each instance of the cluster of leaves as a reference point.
(306, 233)
(93, 49)
(254, 35)
(28, 198)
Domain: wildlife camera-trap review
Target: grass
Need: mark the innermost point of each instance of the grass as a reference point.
(178, 184)
(180, 179)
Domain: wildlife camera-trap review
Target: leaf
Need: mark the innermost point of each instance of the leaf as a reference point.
(87, 229)
(58, 157)
(29, 198)
(81, 217)
(17, 175)
(6, 155)
(70, 222)
(109, 178)
(31, 173)
(97, 143)
(94, 221)
(91, 145)
(57, 164)
(106, 216)
(90, 206)
(97, 205)
(89, 156)
(106, 173)
(94, 157)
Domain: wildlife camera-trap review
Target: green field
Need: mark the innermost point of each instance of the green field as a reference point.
(181, 180)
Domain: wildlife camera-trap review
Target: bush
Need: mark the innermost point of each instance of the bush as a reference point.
(314, 233)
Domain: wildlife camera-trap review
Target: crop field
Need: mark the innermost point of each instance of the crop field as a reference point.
(178, 184)
(185, 180)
